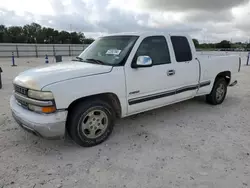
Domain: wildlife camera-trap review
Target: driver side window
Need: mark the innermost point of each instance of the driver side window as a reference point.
(156, 48)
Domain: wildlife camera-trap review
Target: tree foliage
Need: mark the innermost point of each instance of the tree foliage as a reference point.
(224, 44)
(35, 33)
(196, 43)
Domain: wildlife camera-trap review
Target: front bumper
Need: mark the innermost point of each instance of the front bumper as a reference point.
(50, 126)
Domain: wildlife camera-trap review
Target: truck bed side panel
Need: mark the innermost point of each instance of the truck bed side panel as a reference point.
(211, 66)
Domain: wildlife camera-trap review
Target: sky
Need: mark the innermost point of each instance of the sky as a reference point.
(206, 20)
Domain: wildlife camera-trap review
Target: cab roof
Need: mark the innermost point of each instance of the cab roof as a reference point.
(145, 34)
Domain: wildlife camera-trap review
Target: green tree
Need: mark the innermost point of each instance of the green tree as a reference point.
(15, 34)
(248, 46)
(224, 44)
(49, 35)
(35, 33)
(74, 38)
(81, 37)
(88, 41)
(196, 43)
(207, 46)
(31, 32)
(2, 32)
(64, 37)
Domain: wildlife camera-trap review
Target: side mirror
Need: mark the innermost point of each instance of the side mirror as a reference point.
(143, 61)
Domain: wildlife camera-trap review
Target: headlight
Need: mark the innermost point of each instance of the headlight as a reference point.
(40, 95)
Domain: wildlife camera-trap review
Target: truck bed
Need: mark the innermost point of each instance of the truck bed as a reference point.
(211, 65)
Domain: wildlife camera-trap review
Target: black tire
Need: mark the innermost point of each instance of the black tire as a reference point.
(212, 97)
(80, 111)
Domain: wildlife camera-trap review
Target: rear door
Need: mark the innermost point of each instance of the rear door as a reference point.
(186, 68)
(150, 87)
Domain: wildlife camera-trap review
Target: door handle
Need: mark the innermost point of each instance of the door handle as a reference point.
(171, 72)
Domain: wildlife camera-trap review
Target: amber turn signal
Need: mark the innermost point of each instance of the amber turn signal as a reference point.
(49, 109)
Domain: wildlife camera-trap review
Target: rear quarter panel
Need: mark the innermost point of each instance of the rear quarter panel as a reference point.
(211, 66)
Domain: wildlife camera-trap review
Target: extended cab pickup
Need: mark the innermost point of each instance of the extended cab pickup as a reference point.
(117, 76)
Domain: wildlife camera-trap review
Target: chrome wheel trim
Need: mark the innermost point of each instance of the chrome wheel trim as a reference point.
(220, 92)
(94, 124)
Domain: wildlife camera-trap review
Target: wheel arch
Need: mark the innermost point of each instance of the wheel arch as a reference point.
(224, 74)
(111, 98)
(75, 110)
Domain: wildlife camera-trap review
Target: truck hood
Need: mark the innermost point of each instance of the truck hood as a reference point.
(37, 78)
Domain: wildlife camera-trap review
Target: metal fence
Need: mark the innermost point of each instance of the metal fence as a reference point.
(40, 50)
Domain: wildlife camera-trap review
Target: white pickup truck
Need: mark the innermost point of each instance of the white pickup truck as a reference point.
(117, 76)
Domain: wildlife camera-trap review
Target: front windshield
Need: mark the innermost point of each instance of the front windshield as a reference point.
(110, 50)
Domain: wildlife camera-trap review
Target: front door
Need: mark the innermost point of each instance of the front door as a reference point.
(150, 87)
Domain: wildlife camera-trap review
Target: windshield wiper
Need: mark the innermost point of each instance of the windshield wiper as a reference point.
(96, 61)
(78, 59)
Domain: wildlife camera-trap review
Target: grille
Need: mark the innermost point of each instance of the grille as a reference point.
(21, 90)
(22, 103)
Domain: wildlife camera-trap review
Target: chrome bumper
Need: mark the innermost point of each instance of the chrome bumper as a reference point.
(50, 126)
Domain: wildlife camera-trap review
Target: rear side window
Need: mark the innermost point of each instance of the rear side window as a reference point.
(155, 47)
(182, 48)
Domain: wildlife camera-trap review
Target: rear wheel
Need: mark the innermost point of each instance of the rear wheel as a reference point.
(218, 92)
(91, 122)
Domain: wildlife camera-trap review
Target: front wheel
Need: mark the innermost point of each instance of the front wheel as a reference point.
(218, 92)
(91, 122)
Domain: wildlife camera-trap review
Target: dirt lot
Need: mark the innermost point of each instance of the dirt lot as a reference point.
(189, 144)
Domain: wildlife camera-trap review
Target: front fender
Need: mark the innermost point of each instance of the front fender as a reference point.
(67, 91)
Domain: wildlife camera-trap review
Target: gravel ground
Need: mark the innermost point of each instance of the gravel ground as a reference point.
(189, 144)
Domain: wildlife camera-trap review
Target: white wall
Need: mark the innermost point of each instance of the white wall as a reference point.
(222, 53)
(40, 50)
